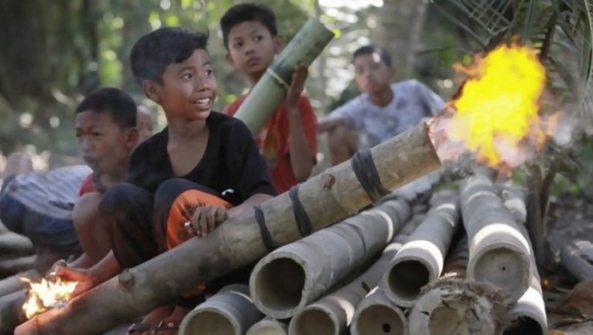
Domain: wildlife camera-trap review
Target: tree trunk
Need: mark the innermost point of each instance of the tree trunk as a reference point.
(327, 198)
(400, 30)
(290, 278)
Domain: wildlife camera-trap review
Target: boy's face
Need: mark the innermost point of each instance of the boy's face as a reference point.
(188, 90)
(251, 48)
(371, 74)
(103, 144)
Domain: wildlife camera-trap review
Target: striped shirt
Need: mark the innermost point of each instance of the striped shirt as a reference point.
(52, 193)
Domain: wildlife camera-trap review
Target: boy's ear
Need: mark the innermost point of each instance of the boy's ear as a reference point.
(278, 41)
(229, 58)
(132, 138)
(151, 89)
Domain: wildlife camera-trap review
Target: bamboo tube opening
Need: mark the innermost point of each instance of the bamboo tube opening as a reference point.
(209, 323)
(279, 284)
(380, 320)
(524, 325)
(407, 278)
(314, 321)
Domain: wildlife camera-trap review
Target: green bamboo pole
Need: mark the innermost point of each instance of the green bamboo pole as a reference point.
(271, 89)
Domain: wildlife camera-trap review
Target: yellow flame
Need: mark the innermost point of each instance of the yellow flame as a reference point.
(46, 295)
(496, 115)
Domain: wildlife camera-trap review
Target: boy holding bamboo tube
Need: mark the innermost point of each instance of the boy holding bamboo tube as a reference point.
(288, 141)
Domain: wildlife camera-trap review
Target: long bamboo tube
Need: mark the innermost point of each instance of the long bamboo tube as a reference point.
(326, 198)
(498, 251)
(230, 311)
(574, 258)
(528, 315)
(268, 326)
(376, 313)
(271, 89)
(291, 277)
(14, 283)
(332, 314)
(14, 244)
(420, 260)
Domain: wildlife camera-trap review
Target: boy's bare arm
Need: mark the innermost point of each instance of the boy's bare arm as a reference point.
(327, 123)
(301, 157)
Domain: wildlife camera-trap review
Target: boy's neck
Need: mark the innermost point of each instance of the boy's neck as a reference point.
(254, 78)
(383, 97)
(182, 130)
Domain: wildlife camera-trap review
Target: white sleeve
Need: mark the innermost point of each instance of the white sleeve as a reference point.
(351, 112)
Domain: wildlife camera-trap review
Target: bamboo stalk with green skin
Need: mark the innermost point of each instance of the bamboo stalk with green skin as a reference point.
(271, 89)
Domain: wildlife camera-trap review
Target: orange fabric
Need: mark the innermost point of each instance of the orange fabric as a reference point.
(177, 233)
(273, 140)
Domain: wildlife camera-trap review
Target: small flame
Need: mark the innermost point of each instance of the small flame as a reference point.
(496, 114)
(46, 295)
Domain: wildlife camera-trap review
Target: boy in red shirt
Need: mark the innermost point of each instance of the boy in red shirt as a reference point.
(288, 141)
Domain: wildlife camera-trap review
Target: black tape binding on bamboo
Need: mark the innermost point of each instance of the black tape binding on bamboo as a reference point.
(266, 237)
(300, 214)
(365, 170)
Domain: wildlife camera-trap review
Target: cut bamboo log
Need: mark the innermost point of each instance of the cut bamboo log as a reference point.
(230, 311)
(306, 45)
(574, 259)
(333, 313)
(291, 277)
(420, 260)
(10, 267)
(329, 197)
(14, 283)
(15, 245)
(376, 314)
(453, 305)
(498, 251)
(268, 326)
(11, 311)
(528, 315)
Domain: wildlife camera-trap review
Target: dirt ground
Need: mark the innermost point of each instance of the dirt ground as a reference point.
(569, 219)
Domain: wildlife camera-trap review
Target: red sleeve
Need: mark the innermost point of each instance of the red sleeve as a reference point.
(310, 126)
(87, 185)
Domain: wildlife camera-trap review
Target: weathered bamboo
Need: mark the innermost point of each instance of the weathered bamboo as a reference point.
(333, 313)
(230, 311)
(420, 260)
(306, 45)
(268, 326)
(11, 311)
(376, 314)
(574, 257)
(12, 266)
(498, 251)
(15, 245)
(528, 315)
(326, 198)
(14, 283)
(291, 277)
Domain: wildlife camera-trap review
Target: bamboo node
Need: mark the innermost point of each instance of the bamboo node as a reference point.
(126, 279)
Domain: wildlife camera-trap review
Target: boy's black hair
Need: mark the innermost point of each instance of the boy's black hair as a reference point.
(247, 12)
(371, 49)
(112, 101)
(154, 51)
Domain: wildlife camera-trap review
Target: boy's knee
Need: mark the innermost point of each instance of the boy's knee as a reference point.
(173, 186)
(121, 197)
(18, 162)
(86, 210)
(340, 136)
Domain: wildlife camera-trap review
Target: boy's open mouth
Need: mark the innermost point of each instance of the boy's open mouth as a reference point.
(204, 102)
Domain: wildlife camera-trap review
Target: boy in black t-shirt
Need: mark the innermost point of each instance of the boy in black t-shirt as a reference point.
(203, 168)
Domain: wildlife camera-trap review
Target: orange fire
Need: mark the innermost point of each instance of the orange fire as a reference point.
(47, 294)
(496, 115)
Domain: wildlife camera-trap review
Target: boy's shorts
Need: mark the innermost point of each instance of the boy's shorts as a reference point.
(44, 231)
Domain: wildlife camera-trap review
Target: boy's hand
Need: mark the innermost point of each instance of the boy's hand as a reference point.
(206, 218)
(296, 86)
(85, 281)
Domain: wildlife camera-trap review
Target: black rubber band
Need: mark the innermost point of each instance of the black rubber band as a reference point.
(365, 170)
(266, 237)
(300, 214)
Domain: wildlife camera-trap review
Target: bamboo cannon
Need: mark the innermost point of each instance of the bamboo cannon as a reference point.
(11, 311)
(498, 251)
(306, 45)
(577, 258)
(12, 266)
(420, 260)
(333, 313)
(268, 326)
(230, 311)
(333, 195)
(293, 276)
(15, 245)
(528, 315)
(14, 283)
(376, 313)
